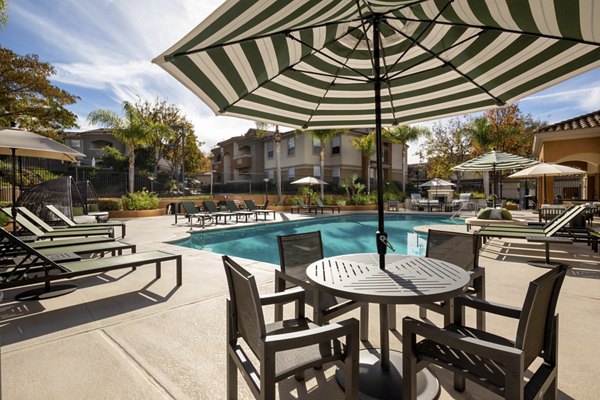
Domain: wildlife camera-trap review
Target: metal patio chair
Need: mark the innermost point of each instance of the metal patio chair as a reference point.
(296, 253)
(284, 348)
(460, 249)
(497, 363)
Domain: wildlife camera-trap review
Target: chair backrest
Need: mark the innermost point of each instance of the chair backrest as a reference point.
(266, 204)
(415, 196)
(250, 205)
(563, 219)
(189, 207)
(232, 206)
(458, 248)
(319, 202)
(60, 215)
(249, 321)
(536, 325)
(210, 206)
(35, 219)
(465, 196)
(24, 222)
(300, 202)
(296, 252)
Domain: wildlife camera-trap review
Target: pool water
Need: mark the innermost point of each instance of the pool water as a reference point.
(341, 235)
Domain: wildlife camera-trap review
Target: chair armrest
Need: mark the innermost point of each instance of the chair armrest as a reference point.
(477, 272)
(494, 308)
(287, 296)
(468, 344)
(312, 336)
(295, 281)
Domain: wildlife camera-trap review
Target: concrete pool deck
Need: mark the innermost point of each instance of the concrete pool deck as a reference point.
(124, 335)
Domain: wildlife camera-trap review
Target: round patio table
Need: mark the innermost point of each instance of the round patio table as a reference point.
(405, 280)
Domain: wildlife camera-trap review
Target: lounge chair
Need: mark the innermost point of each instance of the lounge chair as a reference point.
(254, 208)
(460, 249)
(329, 207)
(280, 349)
(393, 205)
(72, 224)
(34, 267)
(303, 207)
(191, 212)
(47, 228)
(235, 210)
(296, 253)
(497, 363)
(214, 212)
(26, 224)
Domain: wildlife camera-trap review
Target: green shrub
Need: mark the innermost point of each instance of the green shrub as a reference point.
(4, 219)
(487, 214)
(506, 214)
(109, 204)
(142, 200)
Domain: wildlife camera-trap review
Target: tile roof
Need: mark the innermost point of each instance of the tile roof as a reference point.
(591, 120)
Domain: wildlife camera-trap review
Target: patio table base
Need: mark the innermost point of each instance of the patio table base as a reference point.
(376, 383)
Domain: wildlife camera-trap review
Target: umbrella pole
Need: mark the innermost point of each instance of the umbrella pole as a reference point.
(381, 235)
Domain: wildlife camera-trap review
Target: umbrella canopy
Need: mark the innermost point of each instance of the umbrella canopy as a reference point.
(544, 170)
(309, 180)
(321, 64)
(437, 182)
(493, 161)
(22, 143)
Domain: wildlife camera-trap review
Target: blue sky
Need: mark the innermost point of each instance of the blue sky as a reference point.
(102, 50)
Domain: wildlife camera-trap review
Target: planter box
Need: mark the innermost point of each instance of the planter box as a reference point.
(369, 207)
(136, 213)
(512, 207)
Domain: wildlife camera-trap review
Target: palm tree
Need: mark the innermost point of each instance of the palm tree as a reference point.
(3, 12)
(366, 145)
(403, 134)
(324, 135)
(261, 130)
(131, 129)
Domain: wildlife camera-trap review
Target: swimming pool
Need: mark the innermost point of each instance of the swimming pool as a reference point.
(345, 234)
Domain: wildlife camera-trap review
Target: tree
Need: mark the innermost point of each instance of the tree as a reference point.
(505, 129)
(27, 98)
(3, 12)
(261, 130)
(131, 129)
(324, 135)
(366, 145)
(403, 134)
(166, 124)
(446, 146)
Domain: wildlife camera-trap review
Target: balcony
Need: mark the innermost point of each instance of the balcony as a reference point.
(243, 161)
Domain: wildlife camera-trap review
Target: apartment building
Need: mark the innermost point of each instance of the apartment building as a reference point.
(252, 157)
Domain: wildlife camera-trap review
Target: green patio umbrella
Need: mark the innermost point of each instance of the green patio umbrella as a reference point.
(495, 161)
(327, 64)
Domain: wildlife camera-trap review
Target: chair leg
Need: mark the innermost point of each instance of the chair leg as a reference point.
(392, 317)
(364, 322)
(409, 365)
(351, 364)
(231, 379)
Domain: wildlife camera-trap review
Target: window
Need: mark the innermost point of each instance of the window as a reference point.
(270, 175)
(317, 171)
(336, 145)
(316, 146)
(335, 175)
(75, 144)
(269, 149)
(291, 173)
(291, 146)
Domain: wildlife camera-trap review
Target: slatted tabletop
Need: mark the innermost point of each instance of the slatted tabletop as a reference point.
(405, 279)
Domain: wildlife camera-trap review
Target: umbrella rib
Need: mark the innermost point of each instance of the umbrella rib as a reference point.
(414, 41)
(342, 65)
(449, 64)
(288, 68)
(492, 28)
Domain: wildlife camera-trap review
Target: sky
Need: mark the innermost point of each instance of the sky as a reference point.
(102, 51)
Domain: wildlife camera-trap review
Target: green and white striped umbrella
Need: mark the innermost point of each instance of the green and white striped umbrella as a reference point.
(309, 63)
(320, 64)
(495, 161)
